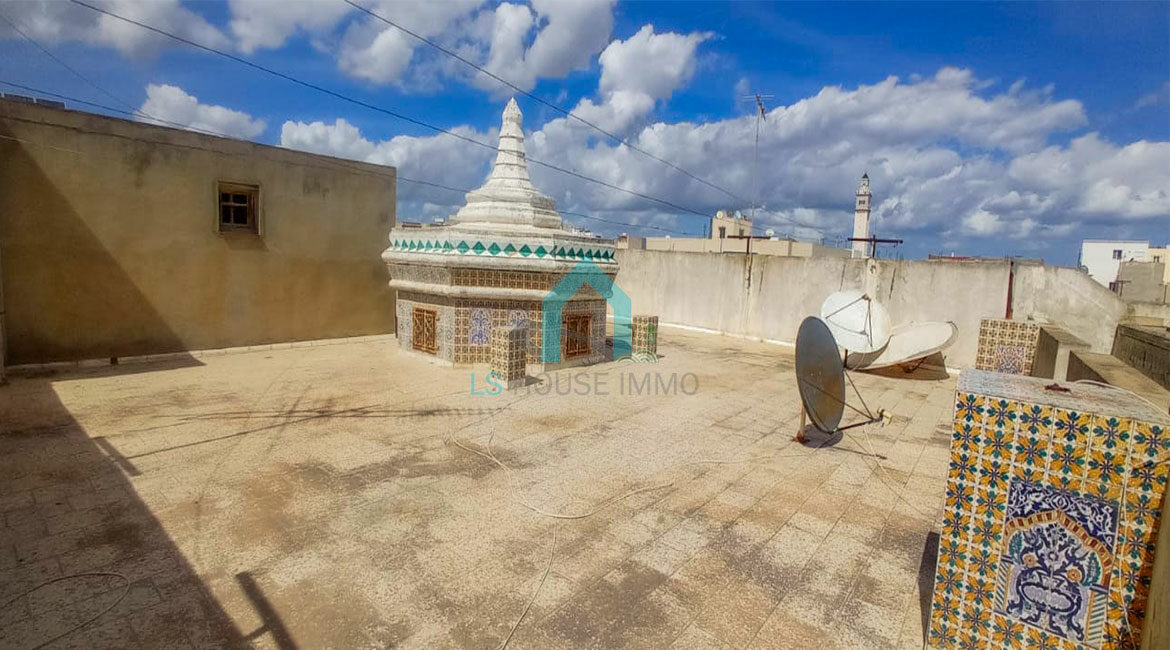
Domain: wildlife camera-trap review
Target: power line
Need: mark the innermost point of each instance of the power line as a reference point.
(336, 163)
(386, 111)
(96, 86)
(63, 64)
(539, 99)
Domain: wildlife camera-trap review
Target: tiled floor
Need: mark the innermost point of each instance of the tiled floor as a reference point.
(314, 497)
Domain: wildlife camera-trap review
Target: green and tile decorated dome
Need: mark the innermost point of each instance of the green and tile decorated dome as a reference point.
(506, 225)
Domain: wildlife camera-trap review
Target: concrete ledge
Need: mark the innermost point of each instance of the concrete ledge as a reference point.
(1110, 370)
(1053, 346)
(1145, 348)
(191, 354)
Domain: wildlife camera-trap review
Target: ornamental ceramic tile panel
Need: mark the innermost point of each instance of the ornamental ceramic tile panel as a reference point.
(1053, 504)
(644, 334)
(509, 355)
(480, 326)
(1007, 346)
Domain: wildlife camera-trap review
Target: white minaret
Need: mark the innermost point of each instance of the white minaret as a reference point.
(861, 218)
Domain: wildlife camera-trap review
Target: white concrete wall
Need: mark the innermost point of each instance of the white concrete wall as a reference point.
(777, 247)
(1097, 257)
(767, 297)
(1070, 299)
(1150, 310)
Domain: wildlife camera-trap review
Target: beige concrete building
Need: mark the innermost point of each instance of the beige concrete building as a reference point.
(729, 224)
(1161, 255)
(732, 233)
(1143, 282)
(119, 238)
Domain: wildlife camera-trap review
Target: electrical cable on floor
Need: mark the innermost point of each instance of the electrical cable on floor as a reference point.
(108, 574)
(883, 475)
(552, 553)
(1105, 385)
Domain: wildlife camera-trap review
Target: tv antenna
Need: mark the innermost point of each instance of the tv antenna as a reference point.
(820, 380)
(873, 241)
(761, 115)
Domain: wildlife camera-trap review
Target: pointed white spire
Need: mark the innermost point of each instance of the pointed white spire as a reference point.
(508, 195)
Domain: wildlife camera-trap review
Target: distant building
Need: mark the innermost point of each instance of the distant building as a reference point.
(1143, 282)
(626, 241)
(979, 258)
(1102, 258)
(1161, 255)
(730, 224)
(861, 217)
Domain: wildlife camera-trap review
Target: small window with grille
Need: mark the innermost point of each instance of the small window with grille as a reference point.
(576, 341)
(422, 335)
(238, 207)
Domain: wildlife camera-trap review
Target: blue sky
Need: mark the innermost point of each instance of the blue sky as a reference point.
(992, 129)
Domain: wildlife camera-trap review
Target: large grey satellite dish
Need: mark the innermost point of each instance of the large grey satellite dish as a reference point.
(820, 377)
(859, 323)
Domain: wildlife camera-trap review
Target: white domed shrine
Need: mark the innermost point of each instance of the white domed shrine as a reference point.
(493, 264)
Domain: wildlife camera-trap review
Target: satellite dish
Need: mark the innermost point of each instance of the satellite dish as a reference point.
(908, 341)
(858, 323)
(820, 376)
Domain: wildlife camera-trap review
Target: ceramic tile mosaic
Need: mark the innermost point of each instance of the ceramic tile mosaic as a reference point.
(1053, 504)
(644, 335)
(508, 361)
(502, 279)
(479, 326)
(464, 324)
(1007, 346)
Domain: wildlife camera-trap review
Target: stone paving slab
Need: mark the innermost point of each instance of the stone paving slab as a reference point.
(315, 497)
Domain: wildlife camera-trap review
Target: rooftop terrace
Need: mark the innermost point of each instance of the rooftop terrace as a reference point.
(342, 496)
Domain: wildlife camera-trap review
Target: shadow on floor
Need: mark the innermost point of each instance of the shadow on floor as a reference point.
(931, 368)
(926, 569)
(69, 512)
(272, 623)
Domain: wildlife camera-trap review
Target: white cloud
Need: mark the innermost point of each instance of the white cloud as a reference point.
(569, 34)
(1097, 179)
(949, 157)
(267, 24)
(51, 22)
(518, 42)
(377, 52)
(635, 73)
(340, 139)
(1155, 98)
(172, 105)
(441, 159)
(654, 64)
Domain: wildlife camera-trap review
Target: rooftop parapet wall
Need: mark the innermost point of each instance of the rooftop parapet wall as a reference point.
(766, 297)
(1070, 299)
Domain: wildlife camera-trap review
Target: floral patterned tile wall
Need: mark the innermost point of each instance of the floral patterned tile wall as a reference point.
(1007, 346)
(1053, 504)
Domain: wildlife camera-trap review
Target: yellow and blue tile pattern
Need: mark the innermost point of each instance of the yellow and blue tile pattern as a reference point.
(1053, 503)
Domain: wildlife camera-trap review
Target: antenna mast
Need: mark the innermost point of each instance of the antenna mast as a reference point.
(761, 115)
